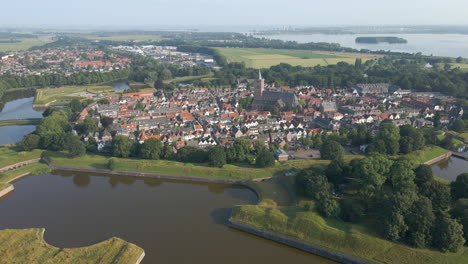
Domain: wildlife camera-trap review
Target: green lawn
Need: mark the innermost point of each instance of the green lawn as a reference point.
(426, 154)
(264, 58)
(228, 171)
(23, 45)
(10, 155)
(65, 93)
(28, 246)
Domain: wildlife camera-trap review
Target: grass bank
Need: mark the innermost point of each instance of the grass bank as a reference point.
(11, 155)
(350, 239)
(426, 154)
(265, 58)
(21, 122)
(28, 246)
(228, 171)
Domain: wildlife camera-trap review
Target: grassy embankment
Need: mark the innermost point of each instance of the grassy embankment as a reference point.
(58, 96)
(21, 122)
(28, 246)
(282, 212)
(264, 58)
(228, 171)
(428, 153)
(9, 156)
(24, 44)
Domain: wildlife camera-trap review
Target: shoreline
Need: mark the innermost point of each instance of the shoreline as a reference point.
(309, 248)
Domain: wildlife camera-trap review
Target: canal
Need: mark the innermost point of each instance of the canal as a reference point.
(450, 168)
(174, 222)
(17, 109)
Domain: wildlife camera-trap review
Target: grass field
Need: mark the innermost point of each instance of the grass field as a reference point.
(130, 37)
(23, 45)
(57, 96)
(10, 155)
(264, 58)
(28, 246)
(228, 171)
(189, 78)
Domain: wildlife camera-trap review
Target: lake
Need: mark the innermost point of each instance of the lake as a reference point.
(451, 45)
(174, 222)
(450, 168)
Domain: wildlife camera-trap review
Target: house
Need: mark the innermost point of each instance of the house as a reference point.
(281, 155)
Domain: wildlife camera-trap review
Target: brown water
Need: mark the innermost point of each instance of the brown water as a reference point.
(174, 222)
(450, 168)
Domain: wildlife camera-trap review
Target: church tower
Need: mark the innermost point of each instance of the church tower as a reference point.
(259, 86)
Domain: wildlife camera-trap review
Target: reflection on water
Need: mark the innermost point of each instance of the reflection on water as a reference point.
(120, 86)
(175, 222)
(450, 168)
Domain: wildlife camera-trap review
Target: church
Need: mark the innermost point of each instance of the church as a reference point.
(263, 98)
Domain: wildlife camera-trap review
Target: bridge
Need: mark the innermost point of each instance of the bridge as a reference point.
(460, 155)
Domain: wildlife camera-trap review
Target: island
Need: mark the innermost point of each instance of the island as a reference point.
(377, 40)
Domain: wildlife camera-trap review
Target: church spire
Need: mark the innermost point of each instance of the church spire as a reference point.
(259, 74)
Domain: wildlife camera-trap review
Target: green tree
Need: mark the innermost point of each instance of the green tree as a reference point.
(75, 146)
(151, 149)
(420, 220)
(30, 142)
(312, 184)
(372, 172)
(265, 158)
(337, 171)
(217, 156)
(423, 174)
(331, 150)
(390, 135)
(106, 121)
(328, 207)
(459, 60)
(167, 153)
(401, 174)
(459, 126)
(91, 145)
(121, 146)
(448, 234)
(75, 105)
(460, 186)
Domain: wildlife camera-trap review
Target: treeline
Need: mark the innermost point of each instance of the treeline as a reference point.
(401, 203)
(216, 156)
(404, 72)
(44, 80)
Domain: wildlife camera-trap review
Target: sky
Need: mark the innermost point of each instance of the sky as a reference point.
(192, 13)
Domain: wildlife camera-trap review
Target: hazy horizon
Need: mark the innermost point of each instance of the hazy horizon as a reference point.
(158, 14)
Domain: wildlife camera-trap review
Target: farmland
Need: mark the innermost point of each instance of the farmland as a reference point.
(24, 44)
(264, 58)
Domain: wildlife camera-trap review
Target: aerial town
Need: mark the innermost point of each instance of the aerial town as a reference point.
(203, 117)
